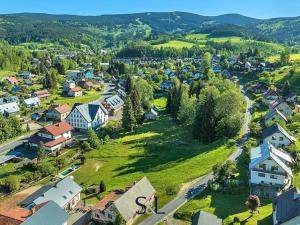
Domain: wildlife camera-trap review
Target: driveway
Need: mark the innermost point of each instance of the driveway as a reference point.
(201, 183)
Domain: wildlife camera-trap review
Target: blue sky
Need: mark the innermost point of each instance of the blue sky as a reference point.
(254, 8)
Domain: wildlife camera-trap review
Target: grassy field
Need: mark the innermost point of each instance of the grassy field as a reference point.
(4, 73)
(175, 44)
(227, 206)
(161, 150)
(276, 58)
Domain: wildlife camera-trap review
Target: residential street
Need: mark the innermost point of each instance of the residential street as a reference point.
(201, 183)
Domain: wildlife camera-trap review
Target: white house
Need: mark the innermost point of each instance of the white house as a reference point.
(269, 170)
(75, 92)
(270, 96)
(65, 193)
(11, 108)
(152, 114)
(53, 136)
(281, 106)
(89, 115)
(248, 66)
(277, 136)
(273, 115)
(32, 102)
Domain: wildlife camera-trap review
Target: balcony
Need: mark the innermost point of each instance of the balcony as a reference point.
(270, 172)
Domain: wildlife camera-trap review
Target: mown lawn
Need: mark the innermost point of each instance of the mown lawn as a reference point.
(4, 73)
(228, 206)
(163, 151)
(276, 58)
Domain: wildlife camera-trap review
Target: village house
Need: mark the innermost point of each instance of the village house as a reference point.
(281, 106)
(166, 85)
(68, 84)
(53, 137)
(49, 214)
(274, 115)
(10, 109)
(9, 99)
(248, 66)
(25, 75)
(205, 218)
(75, 75)
(286, 208)
(42, 95)
(65, 193)
(269, 170)
(114, 105)
(89, 115)
(277, 136)
(58, 112)
(75, 92)
(124, 204)
(12, 80)
(258, 88)
(32, 102)
(270, 96)
(152, 114)
(86, 84)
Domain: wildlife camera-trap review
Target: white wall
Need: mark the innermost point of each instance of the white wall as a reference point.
(277, 142)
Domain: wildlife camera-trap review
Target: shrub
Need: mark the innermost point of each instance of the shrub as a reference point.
(171, 190)
(12, 182)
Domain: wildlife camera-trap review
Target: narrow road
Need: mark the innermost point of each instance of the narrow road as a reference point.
(201, 183)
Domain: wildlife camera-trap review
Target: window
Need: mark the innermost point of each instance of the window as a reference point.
(274, 138)
(273, 177)
(109, 216)
(261, 175)
(280, 138)
(274, 168)
(262, 166)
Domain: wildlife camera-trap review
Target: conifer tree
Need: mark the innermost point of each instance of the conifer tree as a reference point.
(128, 119)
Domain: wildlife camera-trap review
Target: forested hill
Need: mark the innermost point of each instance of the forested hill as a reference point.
(37, 27)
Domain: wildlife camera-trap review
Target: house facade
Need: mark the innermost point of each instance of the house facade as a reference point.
(269, 170)
(282, 107)
(125, 204)
(10, 109)
(58, 112)
(274, 115)
(89, 115)
(42, 95)
(277, 136)
(75, 92)
(53, 137)
(65, 193)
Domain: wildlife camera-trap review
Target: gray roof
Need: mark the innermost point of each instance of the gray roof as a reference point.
(5, 158)
(277, 128)
(49, 214)
(115, 101)
(9, 108)
(8, 99)
(30, 101)
(205, 218)
(61, 193)
(273, 112)
(126, 204)
(89, 110)
(287, 205)
(266, 151)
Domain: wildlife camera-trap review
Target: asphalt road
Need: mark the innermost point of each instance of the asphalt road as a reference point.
(201, 183)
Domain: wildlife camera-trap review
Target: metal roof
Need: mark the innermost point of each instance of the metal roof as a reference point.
(205, 218)
(277, 128)
(49, 214)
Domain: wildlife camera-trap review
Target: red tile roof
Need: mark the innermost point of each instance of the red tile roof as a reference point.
(12, 80)
(58, 128)
(55, 142)
(76, 89)
(112, 196)
(43, 92)
(63, 109)
(14, 216)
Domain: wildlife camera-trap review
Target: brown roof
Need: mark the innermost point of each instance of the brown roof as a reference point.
(63, 108)
(75, 89)
(43, 92)
(58, 128)
(12, 80)
(112, 196)
(14, 216)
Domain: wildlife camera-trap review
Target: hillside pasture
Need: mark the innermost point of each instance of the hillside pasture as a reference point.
(276, 58)
(175, 44)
